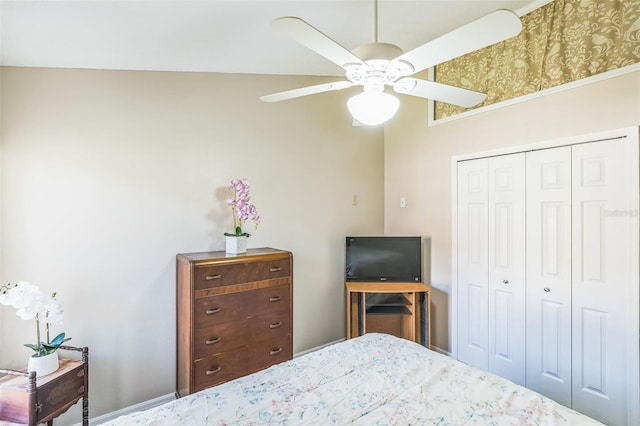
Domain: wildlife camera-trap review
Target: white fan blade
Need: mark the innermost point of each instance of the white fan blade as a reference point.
(439, 92)
(310, 37)
(490, 29)
(304, 91)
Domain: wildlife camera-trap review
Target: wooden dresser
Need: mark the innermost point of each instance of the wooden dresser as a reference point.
(234, 315)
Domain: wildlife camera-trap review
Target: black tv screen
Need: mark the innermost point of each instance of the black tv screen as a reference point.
(386, 259)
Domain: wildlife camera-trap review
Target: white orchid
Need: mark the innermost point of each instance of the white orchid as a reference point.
(31, 303)
(26, 298)
(53, 310)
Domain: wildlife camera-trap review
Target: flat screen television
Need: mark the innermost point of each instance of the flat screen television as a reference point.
(383, 258)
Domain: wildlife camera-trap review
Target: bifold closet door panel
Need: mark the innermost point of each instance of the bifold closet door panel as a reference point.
(473, 330)
(548, 259)
(602, 283)
(506, 257)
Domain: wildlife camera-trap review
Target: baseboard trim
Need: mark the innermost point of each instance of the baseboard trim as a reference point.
(145, 405)
(296, 355)
(440, 351)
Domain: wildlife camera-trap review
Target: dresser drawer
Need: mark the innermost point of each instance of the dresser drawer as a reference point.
(222, 275)
(233, 335)
(212, 310)
(222, 367)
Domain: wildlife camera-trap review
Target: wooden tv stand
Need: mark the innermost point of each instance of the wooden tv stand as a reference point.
(400, 309)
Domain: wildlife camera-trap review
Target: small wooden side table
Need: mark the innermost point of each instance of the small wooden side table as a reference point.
(25, 399)
(406, 315)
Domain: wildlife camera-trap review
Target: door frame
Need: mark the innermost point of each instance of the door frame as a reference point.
(629, 135)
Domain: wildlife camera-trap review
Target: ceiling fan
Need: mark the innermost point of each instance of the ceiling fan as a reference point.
(376, 65)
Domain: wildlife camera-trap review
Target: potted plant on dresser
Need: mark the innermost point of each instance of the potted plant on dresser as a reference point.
(31, 303)
(242, 210)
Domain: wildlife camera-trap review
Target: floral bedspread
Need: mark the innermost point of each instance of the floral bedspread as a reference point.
(375, 379)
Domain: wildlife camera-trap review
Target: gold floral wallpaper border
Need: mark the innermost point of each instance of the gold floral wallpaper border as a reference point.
(560, 42)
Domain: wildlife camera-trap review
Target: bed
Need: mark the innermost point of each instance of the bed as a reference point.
(375, 379)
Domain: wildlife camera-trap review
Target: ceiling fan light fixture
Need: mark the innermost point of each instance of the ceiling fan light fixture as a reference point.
(373, 107)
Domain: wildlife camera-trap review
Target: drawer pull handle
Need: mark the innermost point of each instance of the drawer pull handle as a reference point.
(213, 277)
(276, 269)
(547, 289)
(214, 371)
(275, 351)
(213, 341)
(275, 299)
(81, 389)
(213, 311)
(275, 324)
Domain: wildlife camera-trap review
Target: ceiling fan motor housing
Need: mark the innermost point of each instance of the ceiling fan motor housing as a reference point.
(379, 67)
(370, 51)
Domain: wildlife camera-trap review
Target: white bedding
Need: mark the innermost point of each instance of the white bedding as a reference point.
(376, 379)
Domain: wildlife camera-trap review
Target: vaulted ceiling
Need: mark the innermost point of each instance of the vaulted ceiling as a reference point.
(216, 36)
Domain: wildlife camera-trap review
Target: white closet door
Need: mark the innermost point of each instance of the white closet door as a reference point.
(472, 263)
(506, 195)
(548, 308)
(602, 266)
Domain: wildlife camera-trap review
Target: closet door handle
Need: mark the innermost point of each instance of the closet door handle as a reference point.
(547, 289)
(275, 269)
(275, 299)
(275, 351)
(213, 277)
(505, 282)
(213, 311)
(212, 341)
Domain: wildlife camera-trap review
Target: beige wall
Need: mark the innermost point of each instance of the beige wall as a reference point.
(106, 175)
(418, 160)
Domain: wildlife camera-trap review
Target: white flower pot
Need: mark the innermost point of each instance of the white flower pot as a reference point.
(235, 245)
(44, 365)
